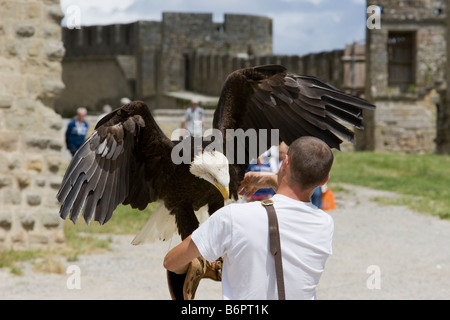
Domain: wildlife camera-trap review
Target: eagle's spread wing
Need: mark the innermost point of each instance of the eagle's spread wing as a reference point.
(109, 167)
(269, 97)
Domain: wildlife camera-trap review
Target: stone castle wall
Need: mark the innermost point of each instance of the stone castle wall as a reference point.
(148, 58)
(405, 120)
(30, 142)
(210, 71)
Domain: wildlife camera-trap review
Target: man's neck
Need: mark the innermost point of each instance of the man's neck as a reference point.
(294, 192)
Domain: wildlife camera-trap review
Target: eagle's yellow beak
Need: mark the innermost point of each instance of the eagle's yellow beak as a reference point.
(223, 190)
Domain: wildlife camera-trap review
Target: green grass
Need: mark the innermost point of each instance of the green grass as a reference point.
(423, 180)
(125, 220)
(80, 239)
(9, 257)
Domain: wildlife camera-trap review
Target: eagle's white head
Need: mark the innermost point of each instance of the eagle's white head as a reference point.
(213, 167)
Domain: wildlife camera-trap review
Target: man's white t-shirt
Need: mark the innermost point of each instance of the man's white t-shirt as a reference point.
(239, 233)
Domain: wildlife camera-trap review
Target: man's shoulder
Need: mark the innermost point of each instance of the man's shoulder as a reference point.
(244, 210)
(245, 205)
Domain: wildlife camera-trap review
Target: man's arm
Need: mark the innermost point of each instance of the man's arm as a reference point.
(178, 259)
(253, 181)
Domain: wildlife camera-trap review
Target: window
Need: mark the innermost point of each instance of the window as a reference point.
(401, 48)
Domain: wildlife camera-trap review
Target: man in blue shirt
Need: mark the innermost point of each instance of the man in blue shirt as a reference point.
(194, 119)
(76, 131)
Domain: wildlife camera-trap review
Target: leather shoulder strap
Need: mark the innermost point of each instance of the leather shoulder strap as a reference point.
(275, 246)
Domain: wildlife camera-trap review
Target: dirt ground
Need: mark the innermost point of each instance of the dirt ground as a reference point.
(379, 252)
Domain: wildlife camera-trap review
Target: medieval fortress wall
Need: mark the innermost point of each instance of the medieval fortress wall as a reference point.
(30, 142)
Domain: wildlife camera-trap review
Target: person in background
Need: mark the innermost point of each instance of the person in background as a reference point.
(194, 119)
(316, 197)
(76, 131)
(274, 156)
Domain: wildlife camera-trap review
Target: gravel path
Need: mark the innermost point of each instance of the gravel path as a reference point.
(380, 252)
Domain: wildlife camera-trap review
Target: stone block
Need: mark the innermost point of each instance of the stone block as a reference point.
(25, 31)
(50, 219)
(56, 145)
(34, 49)
(33, 10)
(54, 50)
(18, 236)
(23, 179)
(5, 220)
(34, 199)
(59, 236)
(27, 221)
(38, 142)
(15, 161)
(5, 181)
(9, 141)
(55, 13)
(12, 196)
(53, 163)
(38, 238)
(25, 103)
(55, 183)
(35, 165)
(40, 182)
(3, 237)
(11, 49)
(51, 89)
(5, 102)
(3, 162)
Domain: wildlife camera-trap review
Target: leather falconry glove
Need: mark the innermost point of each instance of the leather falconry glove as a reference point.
(184, 286)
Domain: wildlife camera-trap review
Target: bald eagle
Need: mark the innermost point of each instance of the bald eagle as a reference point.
(128, 157)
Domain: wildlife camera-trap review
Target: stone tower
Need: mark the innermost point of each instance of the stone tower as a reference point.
(405, 65)
(30, 140)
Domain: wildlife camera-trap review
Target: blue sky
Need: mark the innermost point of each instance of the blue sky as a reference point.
(299, 26)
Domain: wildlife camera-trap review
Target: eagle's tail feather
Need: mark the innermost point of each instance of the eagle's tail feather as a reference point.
(160, 226)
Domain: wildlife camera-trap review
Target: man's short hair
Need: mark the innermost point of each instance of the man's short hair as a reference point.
(310, 161)
(82, 110)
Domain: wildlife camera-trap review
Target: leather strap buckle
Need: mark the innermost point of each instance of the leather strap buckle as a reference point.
(267, 202)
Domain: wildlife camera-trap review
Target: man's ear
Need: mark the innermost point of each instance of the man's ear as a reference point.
(286, 161)
(326, 180)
